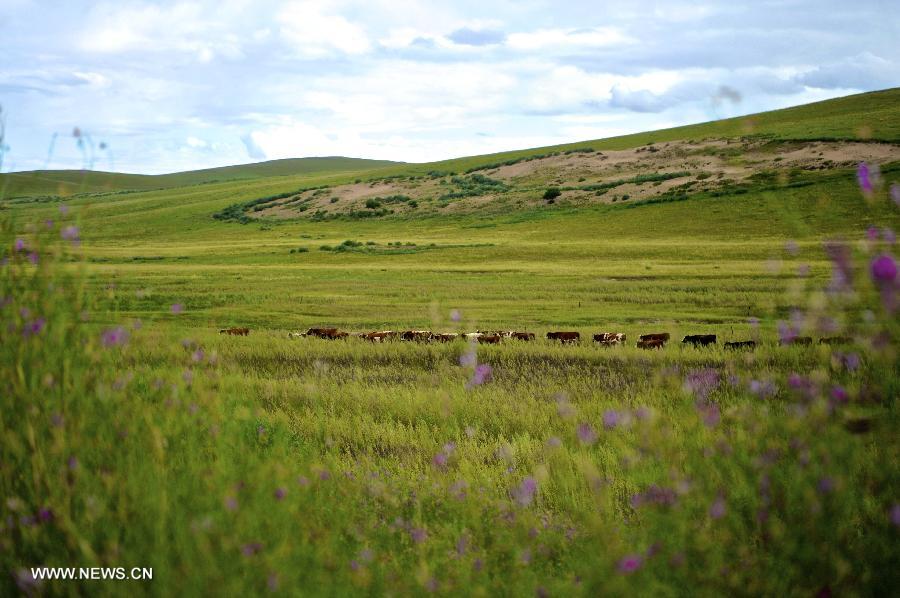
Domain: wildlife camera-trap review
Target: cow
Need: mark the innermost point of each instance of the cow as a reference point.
(608, 339)
(699, 340)
(652, 343)
(379, 336)
(735, 345)
(836, 340)
(657, 336)
(235, 331)
(420, 336)
(444, 337)
(326, 333)
(489, 339)
(564, 337)
(519, 336)
(797, 340)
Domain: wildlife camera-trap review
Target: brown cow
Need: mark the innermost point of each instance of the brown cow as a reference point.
(420, 336)
(235, 331)
(658, 336)
(326, 333)
(797, 340)
(699, 340)
(489, 339)
(444, 337)
(653, 343)
(608, 339)
(836, 340)
(735, 345)
(520, 336)
(564, 337)
(378, 336)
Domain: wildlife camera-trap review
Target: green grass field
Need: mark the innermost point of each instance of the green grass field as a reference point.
(135, 435)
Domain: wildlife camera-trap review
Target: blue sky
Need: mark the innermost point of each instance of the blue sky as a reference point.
(170, 86)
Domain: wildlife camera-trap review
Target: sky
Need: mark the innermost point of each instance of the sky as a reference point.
(155, 87)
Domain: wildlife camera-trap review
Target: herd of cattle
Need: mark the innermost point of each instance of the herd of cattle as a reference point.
(607, 339)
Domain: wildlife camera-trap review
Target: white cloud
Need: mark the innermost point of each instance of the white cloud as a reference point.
(567, 39)
(315, 34)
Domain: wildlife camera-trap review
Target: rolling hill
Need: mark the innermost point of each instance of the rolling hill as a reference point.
(71, 182)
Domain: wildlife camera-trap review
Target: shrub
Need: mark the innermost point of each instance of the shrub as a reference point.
(552, 193)
(373, 204)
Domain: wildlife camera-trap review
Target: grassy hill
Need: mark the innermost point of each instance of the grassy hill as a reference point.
(71, 182)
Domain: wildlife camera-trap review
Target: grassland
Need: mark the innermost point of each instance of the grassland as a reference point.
(136, 435)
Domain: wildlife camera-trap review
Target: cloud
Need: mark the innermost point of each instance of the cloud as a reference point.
(411, 79)
(475, 37)
(568, 39)
(253, 150)
(856, 72)
(314, 34)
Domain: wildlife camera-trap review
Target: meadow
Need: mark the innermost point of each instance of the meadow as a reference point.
(135, 435)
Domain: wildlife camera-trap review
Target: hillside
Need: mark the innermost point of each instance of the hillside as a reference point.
(71, 182)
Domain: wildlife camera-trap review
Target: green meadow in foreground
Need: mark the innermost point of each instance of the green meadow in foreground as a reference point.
(135, 435)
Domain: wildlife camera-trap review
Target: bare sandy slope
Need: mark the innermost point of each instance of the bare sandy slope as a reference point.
(707, 165)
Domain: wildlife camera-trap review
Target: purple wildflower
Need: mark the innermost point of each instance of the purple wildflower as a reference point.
(455, 315)
(586, 433)
(863, 175)
(462, 545)
(872, 233)
(610, 419)
(418, 535)
(884, 269)
(33, 258)
(70, 233)
(280, 493)
(469, 358)
(524, 493)
(177, 308)
(114, 337)
(34, 327)
(839, 395)
(895, 514)
(440, 460)
(63, 209)
(710, 414)
(701, 382)
(851, 361)
(251, 548)
(890, 237)
(26, 581)
(197, 356)
(717, 509)
(483, 373)
(554, 442)
(763, 388)
(786, 332)
(842, 266)
(48, 223)
(231, 503)
(20, 245)
(630, 563)
(825, 486)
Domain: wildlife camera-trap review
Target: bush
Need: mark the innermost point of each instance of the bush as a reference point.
(373, 204)
(552, 193)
